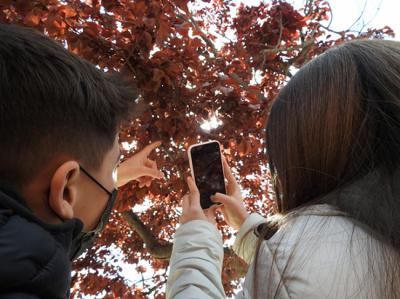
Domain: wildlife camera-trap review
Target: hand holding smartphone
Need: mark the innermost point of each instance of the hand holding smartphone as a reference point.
(207, 170)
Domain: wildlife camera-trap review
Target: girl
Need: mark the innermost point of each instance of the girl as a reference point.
(333, 146)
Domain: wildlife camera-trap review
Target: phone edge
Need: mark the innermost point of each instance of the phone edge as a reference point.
(191, 164)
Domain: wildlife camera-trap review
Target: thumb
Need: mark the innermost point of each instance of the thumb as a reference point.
(185, 202)
(221, 198)
(194, 193)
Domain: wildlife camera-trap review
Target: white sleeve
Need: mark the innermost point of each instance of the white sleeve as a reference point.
(196, 262)
(246, 241)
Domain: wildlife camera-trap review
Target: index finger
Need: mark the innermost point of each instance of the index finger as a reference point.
(149, 148)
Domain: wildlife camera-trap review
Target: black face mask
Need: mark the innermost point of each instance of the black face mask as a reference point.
(84, 240)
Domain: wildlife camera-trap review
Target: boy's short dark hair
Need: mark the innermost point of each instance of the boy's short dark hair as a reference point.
(53, 103)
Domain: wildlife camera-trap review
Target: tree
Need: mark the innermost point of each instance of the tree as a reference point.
(196, 62)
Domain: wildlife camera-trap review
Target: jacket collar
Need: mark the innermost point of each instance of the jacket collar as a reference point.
(10, 199)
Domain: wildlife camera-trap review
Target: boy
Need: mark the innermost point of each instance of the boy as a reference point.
(59, 120)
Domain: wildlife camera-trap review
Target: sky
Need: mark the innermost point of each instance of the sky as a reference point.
(377, 13)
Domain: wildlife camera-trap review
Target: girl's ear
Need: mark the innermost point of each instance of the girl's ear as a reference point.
(63, 190)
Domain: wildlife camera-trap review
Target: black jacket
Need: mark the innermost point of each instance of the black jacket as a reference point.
(34, 260)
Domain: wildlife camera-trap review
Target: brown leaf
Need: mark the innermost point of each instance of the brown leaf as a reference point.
(67, 11)
(91, 29)
(32, 19)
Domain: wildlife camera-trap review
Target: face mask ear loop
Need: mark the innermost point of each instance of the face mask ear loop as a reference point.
(85, 239)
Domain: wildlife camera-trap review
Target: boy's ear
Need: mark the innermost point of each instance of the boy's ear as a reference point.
(63, 190)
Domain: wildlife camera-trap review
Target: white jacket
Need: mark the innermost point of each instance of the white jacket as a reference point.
(317, 253)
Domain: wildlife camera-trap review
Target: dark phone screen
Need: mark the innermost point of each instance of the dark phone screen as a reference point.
(208, 173)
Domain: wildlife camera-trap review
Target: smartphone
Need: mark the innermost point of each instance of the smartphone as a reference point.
(207, 170)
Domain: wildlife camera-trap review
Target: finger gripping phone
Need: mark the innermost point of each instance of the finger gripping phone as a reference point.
(206, 167)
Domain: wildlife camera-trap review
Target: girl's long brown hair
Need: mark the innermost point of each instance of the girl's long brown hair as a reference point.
(334, 124)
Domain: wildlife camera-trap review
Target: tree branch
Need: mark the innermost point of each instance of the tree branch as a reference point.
(155, 248)
(361, 14)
